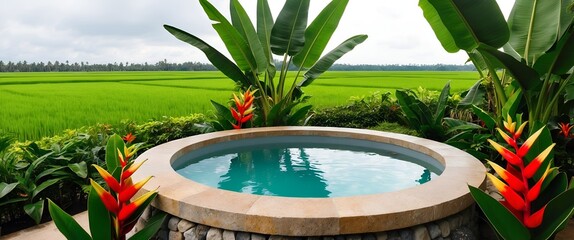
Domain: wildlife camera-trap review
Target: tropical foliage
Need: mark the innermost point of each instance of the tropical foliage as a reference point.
(537, 197)
(537, 39)
(252, 48)
(421, 117)
(112, 213)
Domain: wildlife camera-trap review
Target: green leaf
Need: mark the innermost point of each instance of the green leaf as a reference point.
(474, 96)
(441, 105)
(6, 188)
(485, 117)
(511, 105)
(222, 111)
(569, 90)
(319, 33)
(234, 42)
(99, 217)
(558, 211)
(288, 33)
(13, 200)
(66, 223)
(525, 75)
(455, 125)
(462, 24)
(44, 185)
(35, 210)
(330, 58)
(244, 26)
(50, 171)
(534, 27)
(264, 26)
(115, 142)
(216, 58)
(560, 59)
(132, 219)
(80, 169)
(504, 222)
(299, 115)
(566, 16)
(151, 228)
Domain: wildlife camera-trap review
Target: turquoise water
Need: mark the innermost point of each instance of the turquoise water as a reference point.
(306, 170)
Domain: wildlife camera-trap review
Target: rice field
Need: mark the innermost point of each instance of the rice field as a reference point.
(33, 105)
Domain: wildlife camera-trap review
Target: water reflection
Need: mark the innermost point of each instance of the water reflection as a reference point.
(425, 177)
(259, 172)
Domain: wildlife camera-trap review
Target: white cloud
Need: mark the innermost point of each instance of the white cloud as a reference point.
(118, 31)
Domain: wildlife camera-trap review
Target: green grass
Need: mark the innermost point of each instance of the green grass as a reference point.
(43, 104)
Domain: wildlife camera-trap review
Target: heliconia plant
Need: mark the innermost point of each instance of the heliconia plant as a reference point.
(537, 199)
(112, 213)
(239, 115)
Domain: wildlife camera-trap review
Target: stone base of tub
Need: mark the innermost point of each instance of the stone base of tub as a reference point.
(462, 225)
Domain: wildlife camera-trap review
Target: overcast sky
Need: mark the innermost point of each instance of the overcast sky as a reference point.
(102, 31)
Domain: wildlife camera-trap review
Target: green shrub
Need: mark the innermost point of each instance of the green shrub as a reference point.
(58, 167)
(362, 112)
(395, 128)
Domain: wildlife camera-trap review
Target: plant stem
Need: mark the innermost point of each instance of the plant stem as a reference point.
(497, 87)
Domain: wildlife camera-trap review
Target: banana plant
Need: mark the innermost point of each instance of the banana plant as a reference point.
(538, 40)
(253, 47)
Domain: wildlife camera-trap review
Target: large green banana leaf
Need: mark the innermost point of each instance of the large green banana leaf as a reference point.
(288, 33)
(264, 26)
(527, 77)
(329, 59)
(319, 33)
(234, 42)
(566, 16)
(244, 26)
(464, 24)
(216, 58)
(560, 59)
(534, 27)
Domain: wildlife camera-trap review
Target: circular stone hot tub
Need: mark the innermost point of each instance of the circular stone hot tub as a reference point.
(444, 196)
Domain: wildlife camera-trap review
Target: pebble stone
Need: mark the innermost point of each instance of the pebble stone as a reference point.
(172, 223)
(421, 233)
(456, 227)
(214, 234)
(242, 236)
(175, 235)
(434, 231)
(444, 228)
(382, 236)
(228, 235)
(185, 225)
(190, 233)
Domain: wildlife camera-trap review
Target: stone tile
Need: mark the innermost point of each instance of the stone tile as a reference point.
(214, 234)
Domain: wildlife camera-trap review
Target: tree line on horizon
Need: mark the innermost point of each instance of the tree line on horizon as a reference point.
(66, 66)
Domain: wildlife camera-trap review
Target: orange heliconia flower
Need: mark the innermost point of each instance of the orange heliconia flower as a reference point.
(514, 184)
(129, 138)
(243, 110)
(117, 200)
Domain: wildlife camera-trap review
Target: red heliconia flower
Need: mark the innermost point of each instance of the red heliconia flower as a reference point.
(565, 129)
(129, 138)
(243, 110)
(515, 183)
(130, 208)
(117, 200)
(107, 199)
